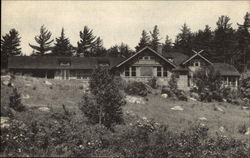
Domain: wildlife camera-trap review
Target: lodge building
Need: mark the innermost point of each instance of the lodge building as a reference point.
(142, 66)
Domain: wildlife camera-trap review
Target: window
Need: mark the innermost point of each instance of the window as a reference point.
(159, 71)
(196, 63)
(140, 58)
(127, 71)
(165, 72)
(146, 57)
(152, 57)
(64, 63)
(133, 71)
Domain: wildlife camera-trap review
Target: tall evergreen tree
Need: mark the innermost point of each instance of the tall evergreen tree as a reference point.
(183, 40)
(144, 41)
(167, 46)
(62, 46)
(224, 39)
(155, 40)
(87, 42)
(10, 46)
(99, 50)
(243, 38)
(43, 41)
(121, 50)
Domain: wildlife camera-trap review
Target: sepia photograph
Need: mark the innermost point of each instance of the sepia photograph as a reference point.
(148, 79)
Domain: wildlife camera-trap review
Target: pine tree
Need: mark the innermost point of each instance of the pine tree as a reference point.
(155, 40)
(62, 46)
(183, 40)
(167, 46)
(10, 46)
(105, 105)
(43, 40)
(144, 41)
(243, 39)
(99, 50)
(224, 39)
(87, 42)
(121, 50)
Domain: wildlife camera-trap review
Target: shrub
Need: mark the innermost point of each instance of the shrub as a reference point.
(242, 129)
(152, 83)
(15, 101)
(105, 105)
(137, 88)
(172, 83)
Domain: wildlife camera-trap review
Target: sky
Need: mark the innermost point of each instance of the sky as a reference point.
(114, 21)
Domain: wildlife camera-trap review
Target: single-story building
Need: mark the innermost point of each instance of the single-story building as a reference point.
(142, 66)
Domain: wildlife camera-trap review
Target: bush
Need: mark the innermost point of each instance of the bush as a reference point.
(152, 83)
(242, 129)
(137, 88)
(15, 101)
(172, 83)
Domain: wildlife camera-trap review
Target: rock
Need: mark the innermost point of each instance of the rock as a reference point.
(44, 109)
(193, 99)
(5, 78)
(245, 108)
(134, 100)
(48, 83)
(26, 96)
(203, 118)
(5, 122)
(177, 108)
(222, 129)
(164, 95)
(6, 83)
(195, 95)
(27, 85)
(248, 131)
(217, 108)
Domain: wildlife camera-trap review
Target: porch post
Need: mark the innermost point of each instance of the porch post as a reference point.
(46, 74)
(130, 71)
(236, 82)
(227, 81)
(161, 71)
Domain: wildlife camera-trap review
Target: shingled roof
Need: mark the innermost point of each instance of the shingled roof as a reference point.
(226, 69)
(52, 62)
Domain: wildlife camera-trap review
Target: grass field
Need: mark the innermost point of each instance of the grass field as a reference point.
(70, 93)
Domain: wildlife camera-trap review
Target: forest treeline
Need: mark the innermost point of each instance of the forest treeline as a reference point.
(223, 44)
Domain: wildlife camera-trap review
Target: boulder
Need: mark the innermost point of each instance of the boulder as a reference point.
(203, 118)
(27, 84)
(248, 131)
(48, 83)
(134, 100)
(5, 122)
(27, 96)
(193, 99)
(217, 108)
(44, 109)
(177, 108)
(222, 129)
(6, 83)
(195, 95)
(164, 95)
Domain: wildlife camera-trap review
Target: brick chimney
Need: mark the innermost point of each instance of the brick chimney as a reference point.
(159, 49)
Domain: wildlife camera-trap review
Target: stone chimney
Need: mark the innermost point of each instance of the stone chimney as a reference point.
(159, 49)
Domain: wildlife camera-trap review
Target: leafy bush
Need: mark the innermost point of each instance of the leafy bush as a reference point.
(15, 101)
(208, 82)
(104, 107)
(172, 83)
(137, 88)
(242, 129)
(152, 82)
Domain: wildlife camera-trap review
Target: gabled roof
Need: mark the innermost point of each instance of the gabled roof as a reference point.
(177, 57)
(162, 57)
(226, 69)
(52, 62)
(197, 54)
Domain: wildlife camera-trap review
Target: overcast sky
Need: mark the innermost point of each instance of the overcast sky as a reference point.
(114, 22)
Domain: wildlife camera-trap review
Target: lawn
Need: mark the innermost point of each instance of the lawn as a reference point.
(70, 93)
